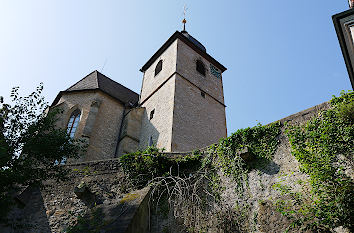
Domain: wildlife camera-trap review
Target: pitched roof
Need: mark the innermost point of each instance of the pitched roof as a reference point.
(97, 81)
(191, 42)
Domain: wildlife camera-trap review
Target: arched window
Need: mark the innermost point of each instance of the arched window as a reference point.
(200, 67)
(158, 67)
(73, 122)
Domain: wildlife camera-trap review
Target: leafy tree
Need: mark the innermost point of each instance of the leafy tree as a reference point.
(30, 144)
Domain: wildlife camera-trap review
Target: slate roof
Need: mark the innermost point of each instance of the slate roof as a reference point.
(97, 81)
(194, 41)
(191, 42)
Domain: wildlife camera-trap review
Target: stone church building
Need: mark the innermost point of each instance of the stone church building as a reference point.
(180, 107)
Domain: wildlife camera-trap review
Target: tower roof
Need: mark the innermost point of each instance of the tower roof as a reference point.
(191, 42)
(194, 41)
(97, 81)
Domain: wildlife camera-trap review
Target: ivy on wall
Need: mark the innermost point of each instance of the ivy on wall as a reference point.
(321, 146)
(192, 184)
(260, 141)
(143, 166)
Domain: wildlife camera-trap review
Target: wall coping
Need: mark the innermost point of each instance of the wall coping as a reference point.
(314, 109)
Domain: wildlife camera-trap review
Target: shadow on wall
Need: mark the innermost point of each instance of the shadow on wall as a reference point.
(137, 132)
(267, 166)
(30, 215)
(263, 165)
(149, 135)
(129, 214)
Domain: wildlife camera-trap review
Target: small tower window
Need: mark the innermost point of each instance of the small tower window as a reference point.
(202, 93)
(200, 67)
(152, 114)
(158, 67)
(73, 122)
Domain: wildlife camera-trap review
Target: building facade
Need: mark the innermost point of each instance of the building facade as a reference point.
(344, 25)
(180, 107)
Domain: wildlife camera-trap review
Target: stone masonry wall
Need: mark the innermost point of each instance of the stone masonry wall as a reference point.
(131, 130)
(150, 81)
(261, 194)
(102, 184)
(104, 126)
(186, 67)
(57, 205)
(157, 94)
(159, 128)
(195, 115)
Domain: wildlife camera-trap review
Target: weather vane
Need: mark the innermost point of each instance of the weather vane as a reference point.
(184, 21)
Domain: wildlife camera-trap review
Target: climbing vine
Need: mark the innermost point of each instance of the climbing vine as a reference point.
(143, 166)
(192, 184)
(260, 142)
(324, 148)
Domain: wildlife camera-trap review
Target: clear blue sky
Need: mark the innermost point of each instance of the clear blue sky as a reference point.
(282, 56)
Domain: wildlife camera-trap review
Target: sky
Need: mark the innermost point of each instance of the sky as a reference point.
(281, 56)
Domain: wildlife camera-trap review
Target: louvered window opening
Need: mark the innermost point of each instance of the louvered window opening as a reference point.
(201, 67)
(158, 67)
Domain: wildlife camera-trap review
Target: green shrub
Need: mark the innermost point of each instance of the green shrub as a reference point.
(143, 166)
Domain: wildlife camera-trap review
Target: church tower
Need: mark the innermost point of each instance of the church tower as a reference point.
(182, 93)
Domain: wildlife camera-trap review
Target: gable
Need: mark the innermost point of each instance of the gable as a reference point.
(97, 81)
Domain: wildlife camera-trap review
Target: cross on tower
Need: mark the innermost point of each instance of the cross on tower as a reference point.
(184, 21)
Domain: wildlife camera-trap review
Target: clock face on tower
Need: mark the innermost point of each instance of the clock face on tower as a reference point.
(215, 71)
